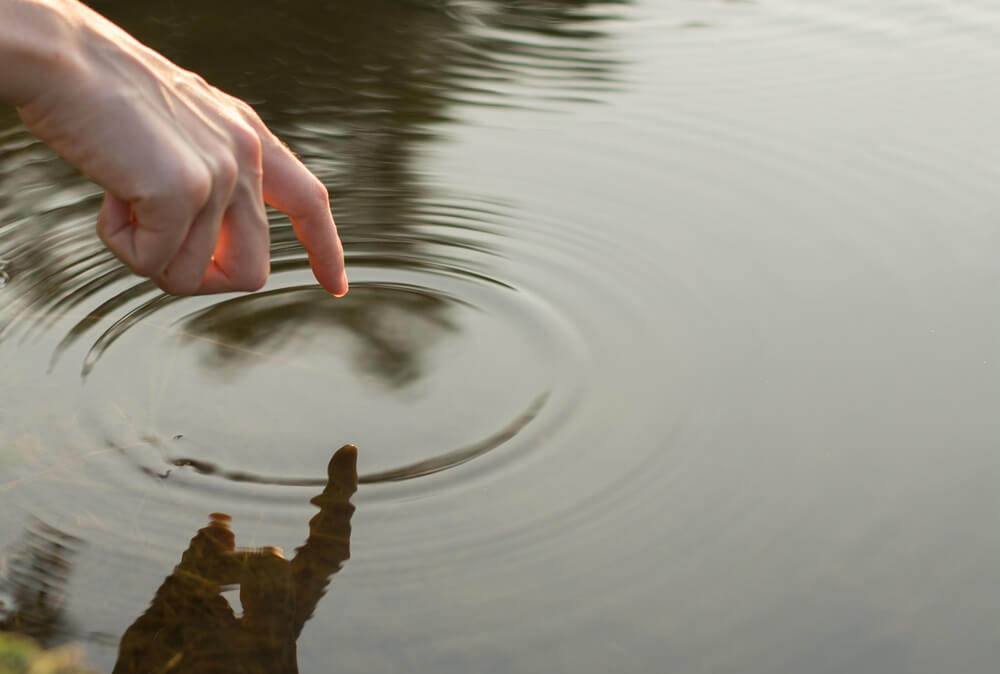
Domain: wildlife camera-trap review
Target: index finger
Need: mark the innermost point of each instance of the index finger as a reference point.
(292, 188)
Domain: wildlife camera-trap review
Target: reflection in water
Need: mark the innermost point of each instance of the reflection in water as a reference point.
(33, 590)
(435, 464)
(760, 286)
(190, 626)
(392, 323)
(358, 89)
(389, 323)
(353, 87)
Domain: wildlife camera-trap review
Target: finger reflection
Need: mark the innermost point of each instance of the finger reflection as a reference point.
(191, 627)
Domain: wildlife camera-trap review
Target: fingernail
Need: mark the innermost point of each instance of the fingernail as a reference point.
(344, 284)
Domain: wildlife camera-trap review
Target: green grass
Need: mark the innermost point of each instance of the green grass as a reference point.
(21, 656)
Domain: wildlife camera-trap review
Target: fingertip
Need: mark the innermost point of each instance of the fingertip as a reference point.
(342, 287)
(331, 276)
(343, 466)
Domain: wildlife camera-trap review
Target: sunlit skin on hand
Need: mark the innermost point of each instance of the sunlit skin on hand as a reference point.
(186, 168)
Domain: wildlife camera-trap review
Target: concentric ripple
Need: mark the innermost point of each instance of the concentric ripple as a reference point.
(436, 336)
(671, 343)
(400, 344)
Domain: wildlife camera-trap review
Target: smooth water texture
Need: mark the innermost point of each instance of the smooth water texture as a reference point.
(672, 346)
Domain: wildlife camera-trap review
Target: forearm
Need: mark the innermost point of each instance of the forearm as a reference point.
(38, 46)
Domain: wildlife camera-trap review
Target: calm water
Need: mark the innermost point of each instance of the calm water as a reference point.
(673, 345)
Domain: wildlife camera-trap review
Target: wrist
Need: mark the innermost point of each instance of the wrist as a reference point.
(38, 47)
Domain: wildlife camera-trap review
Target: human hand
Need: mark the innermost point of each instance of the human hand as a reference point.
(186, 168)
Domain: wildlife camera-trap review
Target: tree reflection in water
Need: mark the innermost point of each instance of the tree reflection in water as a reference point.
(190, 627)
(356, 88)
(391, 327)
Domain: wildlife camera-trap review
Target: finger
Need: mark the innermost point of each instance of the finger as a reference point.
(144, 235)
(342, 471)
(160, 229)
(183, 275)
(241, 259)
(291, 188)
(218, 532)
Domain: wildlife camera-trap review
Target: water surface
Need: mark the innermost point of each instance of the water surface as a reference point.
(672, 345)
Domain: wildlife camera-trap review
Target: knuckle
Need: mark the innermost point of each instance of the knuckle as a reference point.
(156, 187)
(250, 280)
(226, 171)
(146, 264)
(319, 195)
(195, 185)
(247, 144)
(246, 111)
(140, 269)
(178, 285)
(192, 81)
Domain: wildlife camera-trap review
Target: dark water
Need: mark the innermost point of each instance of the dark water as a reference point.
(672, 345)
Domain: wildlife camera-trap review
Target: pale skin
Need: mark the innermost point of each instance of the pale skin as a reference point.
(187, 169)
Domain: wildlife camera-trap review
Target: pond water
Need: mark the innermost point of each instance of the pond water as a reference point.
(672, 346)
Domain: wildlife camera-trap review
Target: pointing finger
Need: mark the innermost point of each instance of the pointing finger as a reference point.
(291, 188)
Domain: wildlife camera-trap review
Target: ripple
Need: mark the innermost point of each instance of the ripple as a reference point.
(434, 464)
(436, 339)
(602, 356)
(446, 364)
(261, 330)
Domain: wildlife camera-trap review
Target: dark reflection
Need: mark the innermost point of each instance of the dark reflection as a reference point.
(355, 88)
(33, 590)
(392, 324)
(389, 324)
(191, 627)
(352, 85)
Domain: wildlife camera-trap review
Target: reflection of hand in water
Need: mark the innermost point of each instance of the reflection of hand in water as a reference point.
(190, 626)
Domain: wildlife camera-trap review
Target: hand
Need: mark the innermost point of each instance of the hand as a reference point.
(187, 168)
